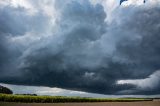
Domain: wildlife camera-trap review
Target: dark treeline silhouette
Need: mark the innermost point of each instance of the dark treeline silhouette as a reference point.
(27, 94)
(5, 90)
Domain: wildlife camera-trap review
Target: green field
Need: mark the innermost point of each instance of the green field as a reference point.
(61, 99)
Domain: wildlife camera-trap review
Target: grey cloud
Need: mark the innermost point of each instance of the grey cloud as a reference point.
(15, 22)
(84, 52)
(141, 47)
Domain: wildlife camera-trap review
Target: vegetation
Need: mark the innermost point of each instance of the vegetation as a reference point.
(5, 90)
(61, 99)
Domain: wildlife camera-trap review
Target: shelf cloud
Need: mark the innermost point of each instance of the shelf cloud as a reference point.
(81, 45)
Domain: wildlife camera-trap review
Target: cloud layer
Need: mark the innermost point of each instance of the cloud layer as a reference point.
(80, 45)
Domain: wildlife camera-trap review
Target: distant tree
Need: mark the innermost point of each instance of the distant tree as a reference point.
(27, 94)
(5, 90)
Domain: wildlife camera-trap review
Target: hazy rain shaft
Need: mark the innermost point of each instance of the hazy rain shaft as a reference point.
(94, 46)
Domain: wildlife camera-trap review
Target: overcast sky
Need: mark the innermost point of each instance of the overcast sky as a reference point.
(96, 46)
(54, 91)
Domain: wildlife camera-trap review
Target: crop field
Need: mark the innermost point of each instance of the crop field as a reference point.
(61, 99)
(143, 103)
(27, 100)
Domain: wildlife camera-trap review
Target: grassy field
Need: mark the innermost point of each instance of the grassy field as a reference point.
(60, 99)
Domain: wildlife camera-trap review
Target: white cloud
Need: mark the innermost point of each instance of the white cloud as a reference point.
(40, 90)
(132, 2)
(89, 74)
(23, 3)
(140, 2)
(148, 83)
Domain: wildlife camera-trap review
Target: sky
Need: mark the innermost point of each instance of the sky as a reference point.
(90, 47)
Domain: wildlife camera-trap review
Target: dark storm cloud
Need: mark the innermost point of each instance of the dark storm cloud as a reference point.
(15, 22)
(83, 52)
(142, 48)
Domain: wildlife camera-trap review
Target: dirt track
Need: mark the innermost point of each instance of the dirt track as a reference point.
(149, 103)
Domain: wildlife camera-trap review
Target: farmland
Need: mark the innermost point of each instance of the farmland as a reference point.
(61, 99)
(31, 100)
(143, 103)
